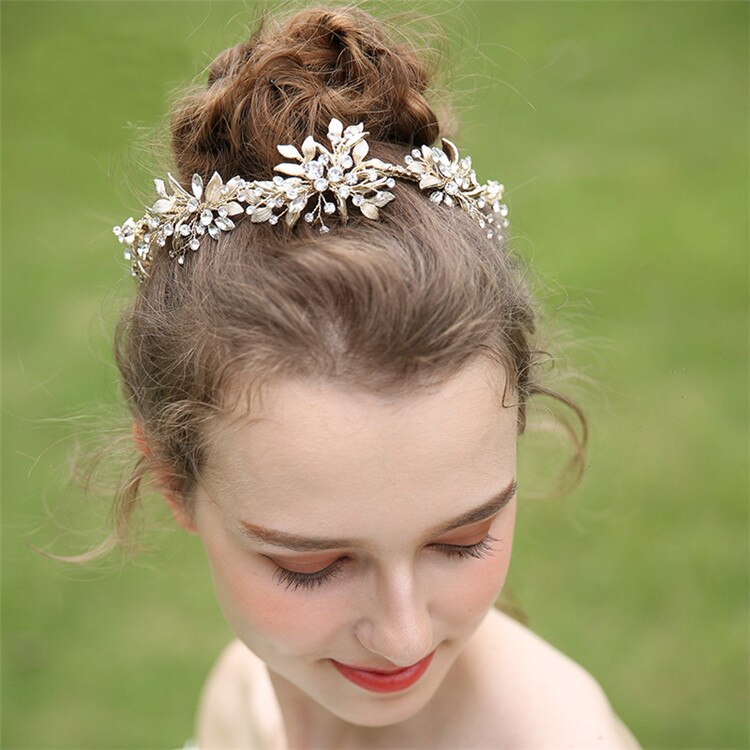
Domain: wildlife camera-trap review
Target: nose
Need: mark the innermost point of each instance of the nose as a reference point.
(397, 626)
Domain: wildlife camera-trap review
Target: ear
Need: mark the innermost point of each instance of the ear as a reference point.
(164, 481)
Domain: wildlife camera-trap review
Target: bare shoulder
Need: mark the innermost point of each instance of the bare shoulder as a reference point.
(222, 707)
(553, 701)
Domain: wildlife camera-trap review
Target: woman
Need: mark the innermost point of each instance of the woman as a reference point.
(332, 404)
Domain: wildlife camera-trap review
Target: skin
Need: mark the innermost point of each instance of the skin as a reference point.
(326, 461)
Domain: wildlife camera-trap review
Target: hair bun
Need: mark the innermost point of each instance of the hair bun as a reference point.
(289, 80)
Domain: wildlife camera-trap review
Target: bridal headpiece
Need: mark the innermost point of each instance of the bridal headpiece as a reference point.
(319, 181)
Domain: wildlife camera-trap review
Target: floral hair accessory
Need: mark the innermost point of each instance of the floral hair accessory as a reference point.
(325, 178)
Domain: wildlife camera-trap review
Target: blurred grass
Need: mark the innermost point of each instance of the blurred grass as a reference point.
(620, 131)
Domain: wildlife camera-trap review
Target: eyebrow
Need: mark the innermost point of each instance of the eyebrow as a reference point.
(306, 544)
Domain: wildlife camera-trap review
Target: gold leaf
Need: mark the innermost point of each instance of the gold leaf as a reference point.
(234, 208)
(369, 210)
(261, 214)
(296, 170)
(288, 151)
(308, 147)
(212, 189)
(335, 127)
(428, 181)
(450, 149)
(360, 151)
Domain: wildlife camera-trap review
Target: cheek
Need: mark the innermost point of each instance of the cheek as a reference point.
(259, 609)
(477, 586)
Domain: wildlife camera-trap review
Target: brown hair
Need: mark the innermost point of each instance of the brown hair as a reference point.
(386, 306)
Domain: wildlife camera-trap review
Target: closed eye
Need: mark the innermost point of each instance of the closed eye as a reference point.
(295, 580)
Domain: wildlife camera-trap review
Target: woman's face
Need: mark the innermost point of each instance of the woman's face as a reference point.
(359, 493)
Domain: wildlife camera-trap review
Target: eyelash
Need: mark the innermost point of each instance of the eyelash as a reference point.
(294, 580)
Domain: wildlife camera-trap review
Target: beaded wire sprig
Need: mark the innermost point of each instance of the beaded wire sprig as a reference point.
(331, 177)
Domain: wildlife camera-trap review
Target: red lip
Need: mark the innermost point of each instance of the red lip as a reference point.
(385, 682)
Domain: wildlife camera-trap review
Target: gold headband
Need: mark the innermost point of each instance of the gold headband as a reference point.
(335, 175)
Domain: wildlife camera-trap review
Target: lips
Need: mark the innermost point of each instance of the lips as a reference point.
(384, 681)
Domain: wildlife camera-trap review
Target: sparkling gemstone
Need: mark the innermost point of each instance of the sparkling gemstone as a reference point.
(451, 188)
(127, 255)
(448, 200)
(489, 233)
(309, 217)
(408, 159)
(184, 230)
(352, 178)
(323, 229)
(490, 218)
(278, 203)
(161, 242)
(147, 238)
(181, 259)
(168, 229)
(445, 170)
(272, 219)
(194, 244)
(390, 182)
(481, 223)
(223, 211)
(278, 180)
(298, 204)
(207, 216)
(480, 203)
(344, 191)
(117, 231)
(313, 169)
(358, 200)
(290, 191)
(321, 184)
(335, 174)
(324, 159)
(416, 153)
(329, 208)
(249, 210)
(466, 162)
(503, 210)
(200, 229)
(192, 205)
(346, 161)
(436, 197)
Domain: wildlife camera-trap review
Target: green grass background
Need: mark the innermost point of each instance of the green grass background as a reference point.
(620, 131)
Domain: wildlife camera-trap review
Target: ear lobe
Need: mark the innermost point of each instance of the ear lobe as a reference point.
(164, 482)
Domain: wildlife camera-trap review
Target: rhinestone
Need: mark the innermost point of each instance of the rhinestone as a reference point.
(358, 200)
(436, 197)
(346, 161)
(448, 200)
(127, 255)
(489, 233)
(132, 272)
(329, 208)
(451, 188)
(161, 242)
(152, 222)
(335, 174)
(481, 223)
(291, 191)
(466, 162)
(200, 229)
(490, 218)
(408, 159)
(323, 229)
(309, 217)
(117, 231)
(194, 244)
(278, 203)
(390, 182)
(480, 203)
(321, 184)
(313, 169)
(416, 153)
(147, 238)
(278, 180)
(214, 231)
(352, 178)
(249, 210)
(181, 259)
(344, 191)
(323, 159)
(168, 229)
(503, 210)
(192, 205)
(298, 204)
(207, 216)
(184, 230)
(272, 219)
(223, 212)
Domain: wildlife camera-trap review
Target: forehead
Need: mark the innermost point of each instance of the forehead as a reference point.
(320, 446)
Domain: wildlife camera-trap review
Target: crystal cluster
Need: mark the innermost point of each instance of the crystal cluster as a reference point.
(329, 178)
